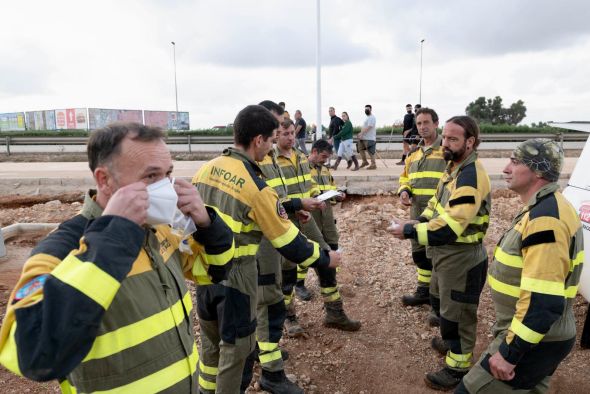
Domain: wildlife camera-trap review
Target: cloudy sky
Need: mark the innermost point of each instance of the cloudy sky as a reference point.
(230, 53)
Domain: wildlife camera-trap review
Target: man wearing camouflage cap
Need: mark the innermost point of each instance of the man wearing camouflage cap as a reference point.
(533, 278)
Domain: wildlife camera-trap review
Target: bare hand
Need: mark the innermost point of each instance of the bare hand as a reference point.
(500, 368)
(398, 229)
(130, 202)
(303, 216)
(335, 259)
(405, 199)
(190, 202)
(310, 204)
(340, 197)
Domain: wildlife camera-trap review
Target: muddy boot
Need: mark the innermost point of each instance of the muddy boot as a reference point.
(445, 379)
(294, 329)
(335, 166)
(420, 297)
(336, 318)
(356, 163)
(373, 163)
(364, 158)
(439, 344)
(349, 163)
(302, 292)
(277, 383)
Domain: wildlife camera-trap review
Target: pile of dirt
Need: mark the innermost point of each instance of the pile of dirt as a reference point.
(391, 352)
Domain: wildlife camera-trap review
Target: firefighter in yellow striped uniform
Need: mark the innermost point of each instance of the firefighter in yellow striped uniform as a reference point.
(297, 178)
(534, 279)
(453, 227)
(102, 304)
(417, 184)
(233, 186)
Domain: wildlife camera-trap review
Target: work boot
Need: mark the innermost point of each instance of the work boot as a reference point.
(302, 292)
(336, 318)
(373, 164)
(433, 319)
(445, 379)
(439, 344)
(349, 163)
(420, 297)
(277, 383)
(402, 161)
(335, 166)
(356, 163)
(364, 158)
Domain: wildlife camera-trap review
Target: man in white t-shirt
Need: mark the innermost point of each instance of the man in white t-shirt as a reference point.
(368, 139)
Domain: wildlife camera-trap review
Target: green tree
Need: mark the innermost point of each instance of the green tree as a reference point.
(491, 111)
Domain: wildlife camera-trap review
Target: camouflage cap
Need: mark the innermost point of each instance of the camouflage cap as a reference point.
(542, 155)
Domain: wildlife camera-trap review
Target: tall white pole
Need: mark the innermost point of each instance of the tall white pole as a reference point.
(175, 84)
(319, 131)
(420, 94)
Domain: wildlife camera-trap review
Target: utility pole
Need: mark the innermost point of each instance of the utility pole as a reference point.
(175, 84)
(420, 93)
(319, 132)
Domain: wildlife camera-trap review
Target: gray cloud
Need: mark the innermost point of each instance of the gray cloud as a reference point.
(25, 71)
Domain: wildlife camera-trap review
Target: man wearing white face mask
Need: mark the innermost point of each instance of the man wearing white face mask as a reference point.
(102, 303)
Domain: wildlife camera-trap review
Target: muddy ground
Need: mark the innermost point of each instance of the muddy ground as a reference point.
(390, 354)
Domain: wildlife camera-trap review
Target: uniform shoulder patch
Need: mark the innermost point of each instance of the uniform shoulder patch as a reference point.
(31, 287)
(281, 211)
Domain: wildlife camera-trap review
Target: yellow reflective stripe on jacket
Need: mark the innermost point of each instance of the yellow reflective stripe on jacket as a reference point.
(507, 259)
(471, 239)
(162, 379)
(246, 250)
(426, 174)
(274, 182)
(542, 286)
(500, 287)
(453, 224)
(299, 195)
(480, 219)
(88, 279)
(422, 232)
(313, 257)
(286, 238)
(297, 179)
(524, 332)
(9, 352)
(67, 388)
(220, 259)
(234, 225)
(136, 333)
(326, 187)
(423, 192)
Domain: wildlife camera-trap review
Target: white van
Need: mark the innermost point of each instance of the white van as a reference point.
(578, 193)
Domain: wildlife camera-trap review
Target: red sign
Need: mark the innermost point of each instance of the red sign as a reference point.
(71, 118)
(585, 212)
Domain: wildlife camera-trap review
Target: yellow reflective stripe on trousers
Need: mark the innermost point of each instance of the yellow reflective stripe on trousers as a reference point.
(286, 238)
(542, 286)
(422, 232)
(315, 255)
(207, 385)
(208, 370)
(161, 380)
(222, 258)
(507, 259)
(426, 174)
(571, 291)
(579, 259)
(9, 352)
(246, 250)
(424, 275)
(454, 360)
(236, 227)
(270, 357)
(136, 333)
(500, 287)
(524, 332)
(88, 279)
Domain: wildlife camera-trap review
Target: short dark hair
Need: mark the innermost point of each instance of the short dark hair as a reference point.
(252, 121)
(408, 105)
(105, 143)
(418, 106)
(286, 123)
(322, 146)
(469, 125)
(282, 104)
(368, 105)
(430, 111)
(272, 106)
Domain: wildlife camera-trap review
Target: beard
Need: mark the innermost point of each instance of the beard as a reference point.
(454, 156)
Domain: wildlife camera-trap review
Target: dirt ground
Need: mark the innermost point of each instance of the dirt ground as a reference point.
(391, 352)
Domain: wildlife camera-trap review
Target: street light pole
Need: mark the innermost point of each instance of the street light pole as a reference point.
(175, 84)
(420, 94)
(319, 132)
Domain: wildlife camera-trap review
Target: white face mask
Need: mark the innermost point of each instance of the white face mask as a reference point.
(163, 200)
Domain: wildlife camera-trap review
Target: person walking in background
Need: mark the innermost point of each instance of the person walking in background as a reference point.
(368, 139)
(407, 128)
(334, 129)
(346, 148)
(300, 132)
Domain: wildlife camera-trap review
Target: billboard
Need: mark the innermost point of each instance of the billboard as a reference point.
(70, 118)
(167, 120)
(14, 121)
(41, 120)
(100, 117)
